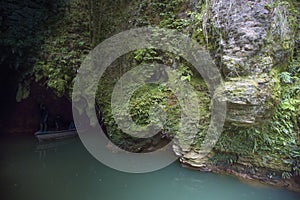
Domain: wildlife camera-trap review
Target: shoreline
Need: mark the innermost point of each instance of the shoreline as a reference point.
(258, 178)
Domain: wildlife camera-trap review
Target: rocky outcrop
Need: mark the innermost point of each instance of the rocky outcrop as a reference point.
(251, 39)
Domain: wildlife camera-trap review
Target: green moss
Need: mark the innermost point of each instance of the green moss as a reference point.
(149, 95)
(285, 15)
(273, 144)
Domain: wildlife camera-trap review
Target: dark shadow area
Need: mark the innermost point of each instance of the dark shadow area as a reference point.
(23, 25)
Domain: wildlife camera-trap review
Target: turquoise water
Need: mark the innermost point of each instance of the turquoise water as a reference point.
(66, 171)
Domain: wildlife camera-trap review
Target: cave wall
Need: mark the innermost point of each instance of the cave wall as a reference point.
(23, 117)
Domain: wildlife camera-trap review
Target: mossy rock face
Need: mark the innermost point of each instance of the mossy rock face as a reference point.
(252, 42)
(252, 39)
(248, 99)
(252, 36)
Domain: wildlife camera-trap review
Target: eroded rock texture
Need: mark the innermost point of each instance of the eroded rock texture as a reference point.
(251, 39)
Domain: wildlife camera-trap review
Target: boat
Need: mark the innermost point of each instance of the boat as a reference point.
(55, 135)
(53, 144)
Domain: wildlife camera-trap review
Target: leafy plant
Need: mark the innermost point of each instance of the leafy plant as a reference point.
(63, 51)
(22, 33)
(286, 77)
(286, 175)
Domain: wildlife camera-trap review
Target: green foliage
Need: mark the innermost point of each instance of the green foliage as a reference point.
(143, 99)
(274, 144)
(146, 55)
(163, 13)
(23, 91)
(284, 13)
(22, 33)
(285, 77)
(106, 18)
(64, 49)
(148, 96)
(223, 159)
(296, 170)
(286, 175)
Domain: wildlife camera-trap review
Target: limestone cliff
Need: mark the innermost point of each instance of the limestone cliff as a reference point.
(255, 45)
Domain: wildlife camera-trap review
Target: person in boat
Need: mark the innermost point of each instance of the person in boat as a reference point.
(43, 118)
(72, 125)
(58, 122)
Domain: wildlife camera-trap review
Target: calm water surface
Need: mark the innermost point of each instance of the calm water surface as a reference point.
(67, 171)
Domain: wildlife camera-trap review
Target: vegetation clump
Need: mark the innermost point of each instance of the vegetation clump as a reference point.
(272, 144)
